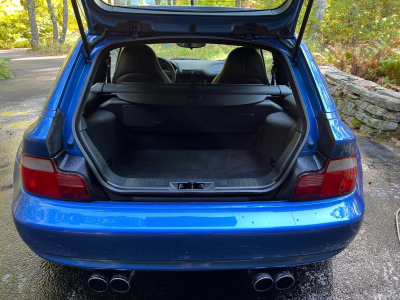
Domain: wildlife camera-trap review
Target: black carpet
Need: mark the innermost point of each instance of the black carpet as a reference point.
(191, 164)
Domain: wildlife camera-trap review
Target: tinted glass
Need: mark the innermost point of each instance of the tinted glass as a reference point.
(208, 52)
(243, 4)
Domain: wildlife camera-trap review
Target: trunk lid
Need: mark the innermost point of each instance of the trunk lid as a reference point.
(237, 18)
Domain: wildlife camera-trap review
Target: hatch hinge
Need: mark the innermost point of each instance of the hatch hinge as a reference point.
(294, 49)
(249, 31)
(101, 38)
(282, 42)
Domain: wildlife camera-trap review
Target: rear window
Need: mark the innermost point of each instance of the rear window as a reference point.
(244, 4)
(210, 52)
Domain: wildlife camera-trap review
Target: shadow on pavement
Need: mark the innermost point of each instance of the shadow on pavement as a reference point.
(312, 281)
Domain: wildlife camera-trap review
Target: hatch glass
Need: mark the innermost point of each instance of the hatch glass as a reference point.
(183, 4)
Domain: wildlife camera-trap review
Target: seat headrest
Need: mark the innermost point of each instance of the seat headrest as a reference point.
(139, 64)
(243, 65)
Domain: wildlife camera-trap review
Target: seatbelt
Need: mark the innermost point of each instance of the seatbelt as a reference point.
(108, 70)
(273, 74)
(263, 61)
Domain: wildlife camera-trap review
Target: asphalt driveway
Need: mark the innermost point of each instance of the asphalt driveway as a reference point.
(368, 269)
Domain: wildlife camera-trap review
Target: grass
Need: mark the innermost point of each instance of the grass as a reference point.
(51, 49)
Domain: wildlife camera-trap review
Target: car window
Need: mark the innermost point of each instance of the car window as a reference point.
(114, 57)
(208, 52)
(246, 4)
(269, 61)
(211, 52)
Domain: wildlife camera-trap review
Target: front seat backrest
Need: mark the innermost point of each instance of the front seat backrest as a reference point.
(139, 64)
(243, 65)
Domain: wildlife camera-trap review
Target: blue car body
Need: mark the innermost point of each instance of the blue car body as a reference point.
(185, 236)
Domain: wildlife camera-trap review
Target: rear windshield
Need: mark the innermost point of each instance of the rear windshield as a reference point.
(210, 52)
(181, 4)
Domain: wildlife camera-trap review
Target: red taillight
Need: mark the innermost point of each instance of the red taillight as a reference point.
(338, 178)
(40, 177)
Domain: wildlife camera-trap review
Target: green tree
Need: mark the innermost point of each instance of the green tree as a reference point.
(35, 41)
(65, 22)
(53, 21)
(319, 12)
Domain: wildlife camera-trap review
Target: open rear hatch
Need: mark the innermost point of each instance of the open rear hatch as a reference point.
(253, 20)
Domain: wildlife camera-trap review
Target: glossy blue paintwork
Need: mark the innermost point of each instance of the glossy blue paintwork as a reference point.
(345, 139)
(185, 236)
(310, 65)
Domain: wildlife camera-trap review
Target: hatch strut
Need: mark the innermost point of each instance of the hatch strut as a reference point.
(302, 29)
(81, 29)
(88, 46)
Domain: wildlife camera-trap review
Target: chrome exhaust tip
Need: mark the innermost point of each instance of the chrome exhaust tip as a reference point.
(121, 282)
(283, 280)
(262, 280)
(98, 282)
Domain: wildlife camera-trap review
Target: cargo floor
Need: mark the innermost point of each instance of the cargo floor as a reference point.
(189, 164)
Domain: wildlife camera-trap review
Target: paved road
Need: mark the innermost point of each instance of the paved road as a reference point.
(368, 269)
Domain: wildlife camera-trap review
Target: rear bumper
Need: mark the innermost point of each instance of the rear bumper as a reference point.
(189, 236)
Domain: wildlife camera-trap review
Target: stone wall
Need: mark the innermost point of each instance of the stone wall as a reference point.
(364, 104)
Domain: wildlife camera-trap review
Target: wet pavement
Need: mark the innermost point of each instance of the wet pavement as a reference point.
(368, 269)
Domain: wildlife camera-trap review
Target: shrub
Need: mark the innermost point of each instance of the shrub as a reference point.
(390, 69)
(51, 49)
(4, 73)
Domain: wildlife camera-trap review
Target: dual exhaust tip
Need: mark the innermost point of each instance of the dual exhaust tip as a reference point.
(263, 281)
(119, 282)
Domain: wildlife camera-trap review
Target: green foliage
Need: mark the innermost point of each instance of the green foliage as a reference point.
(350, 21)
(4, 73)
(17, 34)
(14, 23)
(390, 68)
(260, 4)
(209, 52)
(359, 37)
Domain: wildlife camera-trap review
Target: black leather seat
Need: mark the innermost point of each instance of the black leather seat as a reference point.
(139, 64)
(243, 66)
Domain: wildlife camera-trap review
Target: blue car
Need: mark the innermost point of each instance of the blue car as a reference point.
(181, 136)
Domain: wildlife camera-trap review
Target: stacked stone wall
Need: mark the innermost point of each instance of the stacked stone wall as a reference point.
(363, 104)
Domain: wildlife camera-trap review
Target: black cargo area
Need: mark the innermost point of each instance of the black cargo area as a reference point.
(161, 134)
(226, 163)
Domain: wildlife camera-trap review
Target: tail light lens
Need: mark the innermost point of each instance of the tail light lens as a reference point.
(40, 177)
(338, 178)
